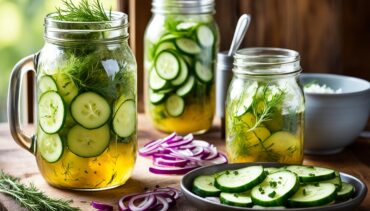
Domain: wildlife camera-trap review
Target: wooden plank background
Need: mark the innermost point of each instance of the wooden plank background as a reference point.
(332, 36)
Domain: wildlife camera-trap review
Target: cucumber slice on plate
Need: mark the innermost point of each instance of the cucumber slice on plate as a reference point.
(124, 120)
(47, 83)
(204, 186)
(275, 189)
(50, 146)
(187, 45)
(186, 88)
(90, 110)
(313, 195)
(203, 72)
(337, 181)
(156, 98)
(52, 112)
(236, 199)
(236, 181)
(167, 65)
(311, 173)
(88, 143)
(181, 78)
(346, 192)
(175, 105)
(156, 82)
(205, 36)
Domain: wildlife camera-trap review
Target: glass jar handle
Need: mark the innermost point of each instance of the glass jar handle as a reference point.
(20, 69)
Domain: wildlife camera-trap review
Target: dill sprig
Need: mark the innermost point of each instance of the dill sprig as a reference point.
(83, 12)
(30, 197)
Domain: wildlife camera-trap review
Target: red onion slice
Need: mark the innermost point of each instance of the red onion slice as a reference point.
(101, 206)
(164, 162)
(172, 170)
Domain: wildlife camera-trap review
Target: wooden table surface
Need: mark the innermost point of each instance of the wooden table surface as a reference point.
(354, 160)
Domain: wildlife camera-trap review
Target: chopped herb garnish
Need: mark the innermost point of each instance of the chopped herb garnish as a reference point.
(304, 192)
(273, 184)
(227, 172)
(311, 174)
(272, 194)
(236, 195)
(317, 184)
(236, 172)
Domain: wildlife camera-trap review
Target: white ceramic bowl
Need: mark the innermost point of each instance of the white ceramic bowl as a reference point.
(333, 121)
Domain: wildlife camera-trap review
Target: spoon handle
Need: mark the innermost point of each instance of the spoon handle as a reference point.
(241, 29)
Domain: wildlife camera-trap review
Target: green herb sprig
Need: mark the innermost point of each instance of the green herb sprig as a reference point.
(85, 11)
(30, 197)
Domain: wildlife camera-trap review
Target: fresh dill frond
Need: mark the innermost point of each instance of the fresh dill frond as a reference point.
(30, 197)
(84, 11)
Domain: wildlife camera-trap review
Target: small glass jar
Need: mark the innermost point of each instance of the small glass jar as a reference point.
(180, 48)
(265, 107)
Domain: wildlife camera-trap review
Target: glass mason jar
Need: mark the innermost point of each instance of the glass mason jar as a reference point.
(86, 130)
(265, 107)
(180, 48)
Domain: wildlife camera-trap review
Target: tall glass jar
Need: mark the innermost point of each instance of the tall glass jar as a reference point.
(180, 48)
(265, 107)
(86, 135)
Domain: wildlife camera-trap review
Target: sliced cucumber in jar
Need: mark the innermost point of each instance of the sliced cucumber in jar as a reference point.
(156, 98)
(204, 186)
(236, 181)
(236, 199)
(205, 36)
(275, 189)
(246, 99)
(52, 112)
(66, 87)
(90, 110)
(175, 105)
(187, 45)
(186, 88)
(156, 82)
(311, 173)
(164, 46)
(313, 195)
(50, 146)
(167, 65)
(47, 83)
(88, 143)
(346, 192)
(203, 72)
(124, 121)
(181, 78)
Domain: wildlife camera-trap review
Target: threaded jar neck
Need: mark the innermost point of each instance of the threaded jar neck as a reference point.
(183, 6)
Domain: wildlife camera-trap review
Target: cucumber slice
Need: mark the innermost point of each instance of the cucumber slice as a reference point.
(88, 143)
(205, 36)
(52, 112)
(203, 72)
(313, 195)
(346, 192)
(275, 189)
(90, 110)
(236, 181)
(47, 83)
(156, 82)
(66, 87)
(264, 208)
(50, 146)
(311, 173)
(236, 199)
(181, 78)
(186, 88)
(337, 181)
(165, 46)
(124, 121)
(246, 99)
(271, 170)
(156, 98)
(187, 45)
(167, 65)
(175, 105)
(204, 186)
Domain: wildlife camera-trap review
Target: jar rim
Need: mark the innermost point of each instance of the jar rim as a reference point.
(116, 28)
(183, 6)
(266, 61)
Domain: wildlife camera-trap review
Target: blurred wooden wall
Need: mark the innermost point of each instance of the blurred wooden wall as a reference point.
(332, 36)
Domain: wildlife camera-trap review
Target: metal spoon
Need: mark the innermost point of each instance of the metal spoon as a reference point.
(241, 29)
